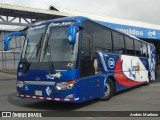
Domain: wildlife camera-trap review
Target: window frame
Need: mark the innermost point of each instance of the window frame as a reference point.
(136, 49)
(112, 40)
(119, 34)
(103, 28)
(128, 48)
(146, 49)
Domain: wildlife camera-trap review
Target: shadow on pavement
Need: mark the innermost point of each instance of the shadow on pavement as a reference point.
(46, 105)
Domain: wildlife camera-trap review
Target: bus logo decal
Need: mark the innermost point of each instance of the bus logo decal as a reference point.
(48, 91)
(52, 76)
(133, 69)
(26, 87)
(152, 33)
(111, 63)
(19, 74)
(38, 78)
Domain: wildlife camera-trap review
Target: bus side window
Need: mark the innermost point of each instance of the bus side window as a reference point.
(98, 39)
(108, 40)
(86, 47)
(118, 43)
(129, 46)
(87, 68)
(102, 40)
(144, 50)
(138, 47)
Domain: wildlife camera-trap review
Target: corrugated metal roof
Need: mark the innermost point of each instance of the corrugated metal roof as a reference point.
(35, 10)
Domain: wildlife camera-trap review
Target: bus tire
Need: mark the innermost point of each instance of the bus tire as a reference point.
(109, 90)
(149, 77)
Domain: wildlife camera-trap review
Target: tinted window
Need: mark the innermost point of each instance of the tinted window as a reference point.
(86, 46)
(100, 37)
(144, 49)
(138, 47)
(129, 46)
(108, 40)
(118, 43)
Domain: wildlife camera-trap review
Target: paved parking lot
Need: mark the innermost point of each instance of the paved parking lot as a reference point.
(139, 98)
(142, 98)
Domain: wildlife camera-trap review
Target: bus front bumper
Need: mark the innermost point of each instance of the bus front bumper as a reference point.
(47, 92)
(49, 98)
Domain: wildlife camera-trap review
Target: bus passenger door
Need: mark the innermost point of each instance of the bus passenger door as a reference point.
(86, 67)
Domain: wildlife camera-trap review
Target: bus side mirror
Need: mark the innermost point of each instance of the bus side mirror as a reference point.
(9, 37)
(72, 32)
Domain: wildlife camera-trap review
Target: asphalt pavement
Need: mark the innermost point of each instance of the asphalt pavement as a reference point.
(142, 98)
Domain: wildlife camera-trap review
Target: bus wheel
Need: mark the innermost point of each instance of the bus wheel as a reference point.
(149, 77)
(109, 90)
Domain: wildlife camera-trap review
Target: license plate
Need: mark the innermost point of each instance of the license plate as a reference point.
(38, 93)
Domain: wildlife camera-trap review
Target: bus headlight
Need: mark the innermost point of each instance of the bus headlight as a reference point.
(70, 86)
(61, 86)
(20, 84)
(65, 85)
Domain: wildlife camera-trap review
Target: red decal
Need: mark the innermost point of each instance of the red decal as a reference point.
(52, 98)
(71, 99)
(120, 76)
(45, 98)
(61, 99)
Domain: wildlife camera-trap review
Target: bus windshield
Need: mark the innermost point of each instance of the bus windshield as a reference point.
(33, 43)
(57, 49)
(46, 47)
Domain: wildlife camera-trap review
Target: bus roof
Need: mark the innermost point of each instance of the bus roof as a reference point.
(75, 18)
(80, 19)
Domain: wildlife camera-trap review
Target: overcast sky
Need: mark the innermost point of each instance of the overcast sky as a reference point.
(139, 10)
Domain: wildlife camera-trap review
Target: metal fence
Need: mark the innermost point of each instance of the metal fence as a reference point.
(9, 59)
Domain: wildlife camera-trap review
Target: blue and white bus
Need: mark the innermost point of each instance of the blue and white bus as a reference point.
(76, 59)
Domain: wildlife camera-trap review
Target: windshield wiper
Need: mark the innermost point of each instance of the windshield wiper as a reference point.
(49, 53)
(35, 49)
(50, 61)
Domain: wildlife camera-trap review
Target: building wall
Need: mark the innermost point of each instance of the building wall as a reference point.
(9, 59)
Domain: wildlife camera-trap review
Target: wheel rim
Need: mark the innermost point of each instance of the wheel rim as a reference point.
(107, 89)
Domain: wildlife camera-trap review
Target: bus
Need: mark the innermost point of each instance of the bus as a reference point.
(76, 59)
